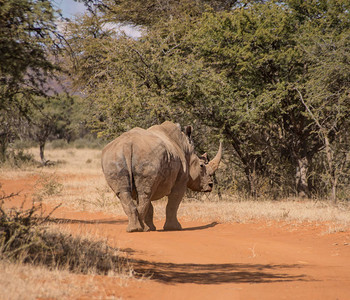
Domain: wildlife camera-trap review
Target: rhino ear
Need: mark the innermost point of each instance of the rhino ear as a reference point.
(204, 157)
(188, 131)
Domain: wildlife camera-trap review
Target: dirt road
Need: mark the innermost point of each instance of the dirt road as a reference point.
(229, 261)
(262, 260)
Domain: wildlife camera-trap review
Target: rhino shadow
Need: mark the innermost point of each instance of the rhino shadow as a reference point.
(213, 224)
(170, 273)
(80, 221)
(113, 221)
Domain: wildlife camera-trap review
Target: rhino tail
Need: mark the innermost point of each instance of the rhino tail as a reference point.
(128, 161)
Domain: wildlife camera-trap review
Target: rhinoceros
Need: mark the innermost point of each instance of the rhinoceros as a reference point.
(143, 165)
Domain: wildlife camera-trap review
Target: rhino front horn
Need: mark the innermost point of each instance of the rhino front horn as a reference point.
(214, 163)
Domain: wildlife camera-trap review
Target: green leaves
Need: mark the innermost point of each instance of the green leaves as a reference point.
(235, 71)
(26, 29)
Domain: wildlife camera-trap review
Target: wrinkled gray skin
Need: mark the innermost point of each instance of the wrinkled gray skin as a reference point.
(145, 165)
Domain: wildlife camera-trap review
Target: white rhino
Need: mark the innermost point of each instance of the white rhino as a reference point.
(145, 165)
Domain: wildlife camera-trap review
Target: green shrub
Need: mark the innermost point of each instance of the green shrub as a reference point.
(88, 142)
(18, 159)
(23, 144)
(57, 144)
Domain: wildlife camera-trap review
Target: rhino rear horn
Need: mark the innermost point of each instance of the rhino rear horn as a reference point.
(188, 131)
(214, 163)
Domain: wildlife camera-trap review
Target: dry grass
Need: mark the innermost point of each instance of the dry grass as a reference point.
(76, 180)
(25, 282)
(84, 188)
(49, 248)
(25, 237)
(288, 210)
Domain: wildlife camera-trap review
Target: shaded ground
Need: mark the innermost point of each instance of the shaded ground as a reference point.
(262, 260)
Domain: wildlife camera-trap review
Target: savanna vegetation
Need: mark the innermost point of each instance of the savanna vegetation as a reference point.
(269, 78)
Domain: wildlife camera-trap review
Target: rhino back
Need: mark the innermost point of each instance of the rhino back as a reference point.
(142, 160)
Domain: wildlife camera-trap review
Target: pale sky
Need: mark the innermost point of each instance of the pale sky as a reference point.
(69, 8)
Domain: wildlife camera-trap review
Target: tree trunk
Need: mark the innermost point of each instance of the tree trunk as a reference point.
(301, 177)
(3, 148)
(251, 179)
(331, 168)
(334, 189)
(324, 133)
(42, 155)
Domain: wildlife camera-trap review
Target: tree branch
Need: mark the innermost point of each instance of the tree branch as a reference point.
(308, 109)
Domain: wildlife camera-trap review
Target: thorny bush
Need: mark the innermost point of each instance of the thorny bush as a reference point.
(25, 238)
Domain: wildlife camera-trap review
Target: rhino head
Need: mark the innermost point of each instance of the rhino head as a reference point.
(201, 170)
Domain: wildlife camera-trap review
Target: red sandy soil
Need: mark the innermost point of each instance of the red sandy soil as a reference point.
(260, 260)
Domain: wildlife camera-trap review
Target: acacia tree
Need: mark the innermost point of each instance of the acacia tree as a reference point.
(234, 69)
(51, 116)
(235, 72)
(262, 53)
(27, 36)
(254, 50)
(324, 88)
(148, 13)
(326, 97)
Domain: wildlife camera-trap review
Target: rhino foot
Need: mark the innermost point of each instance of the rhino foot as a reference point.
(149, 228)
(133, 228)
(172, 226)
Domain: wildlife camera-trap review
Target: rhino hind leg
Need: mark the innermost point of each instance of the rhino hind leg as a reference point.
(149, 218)
(145, 210)
(174, 199)
(131, 211)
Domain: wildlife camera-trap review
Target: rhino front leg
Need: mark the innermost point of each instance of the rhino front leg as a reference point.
(131, 211)
(174, 199)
